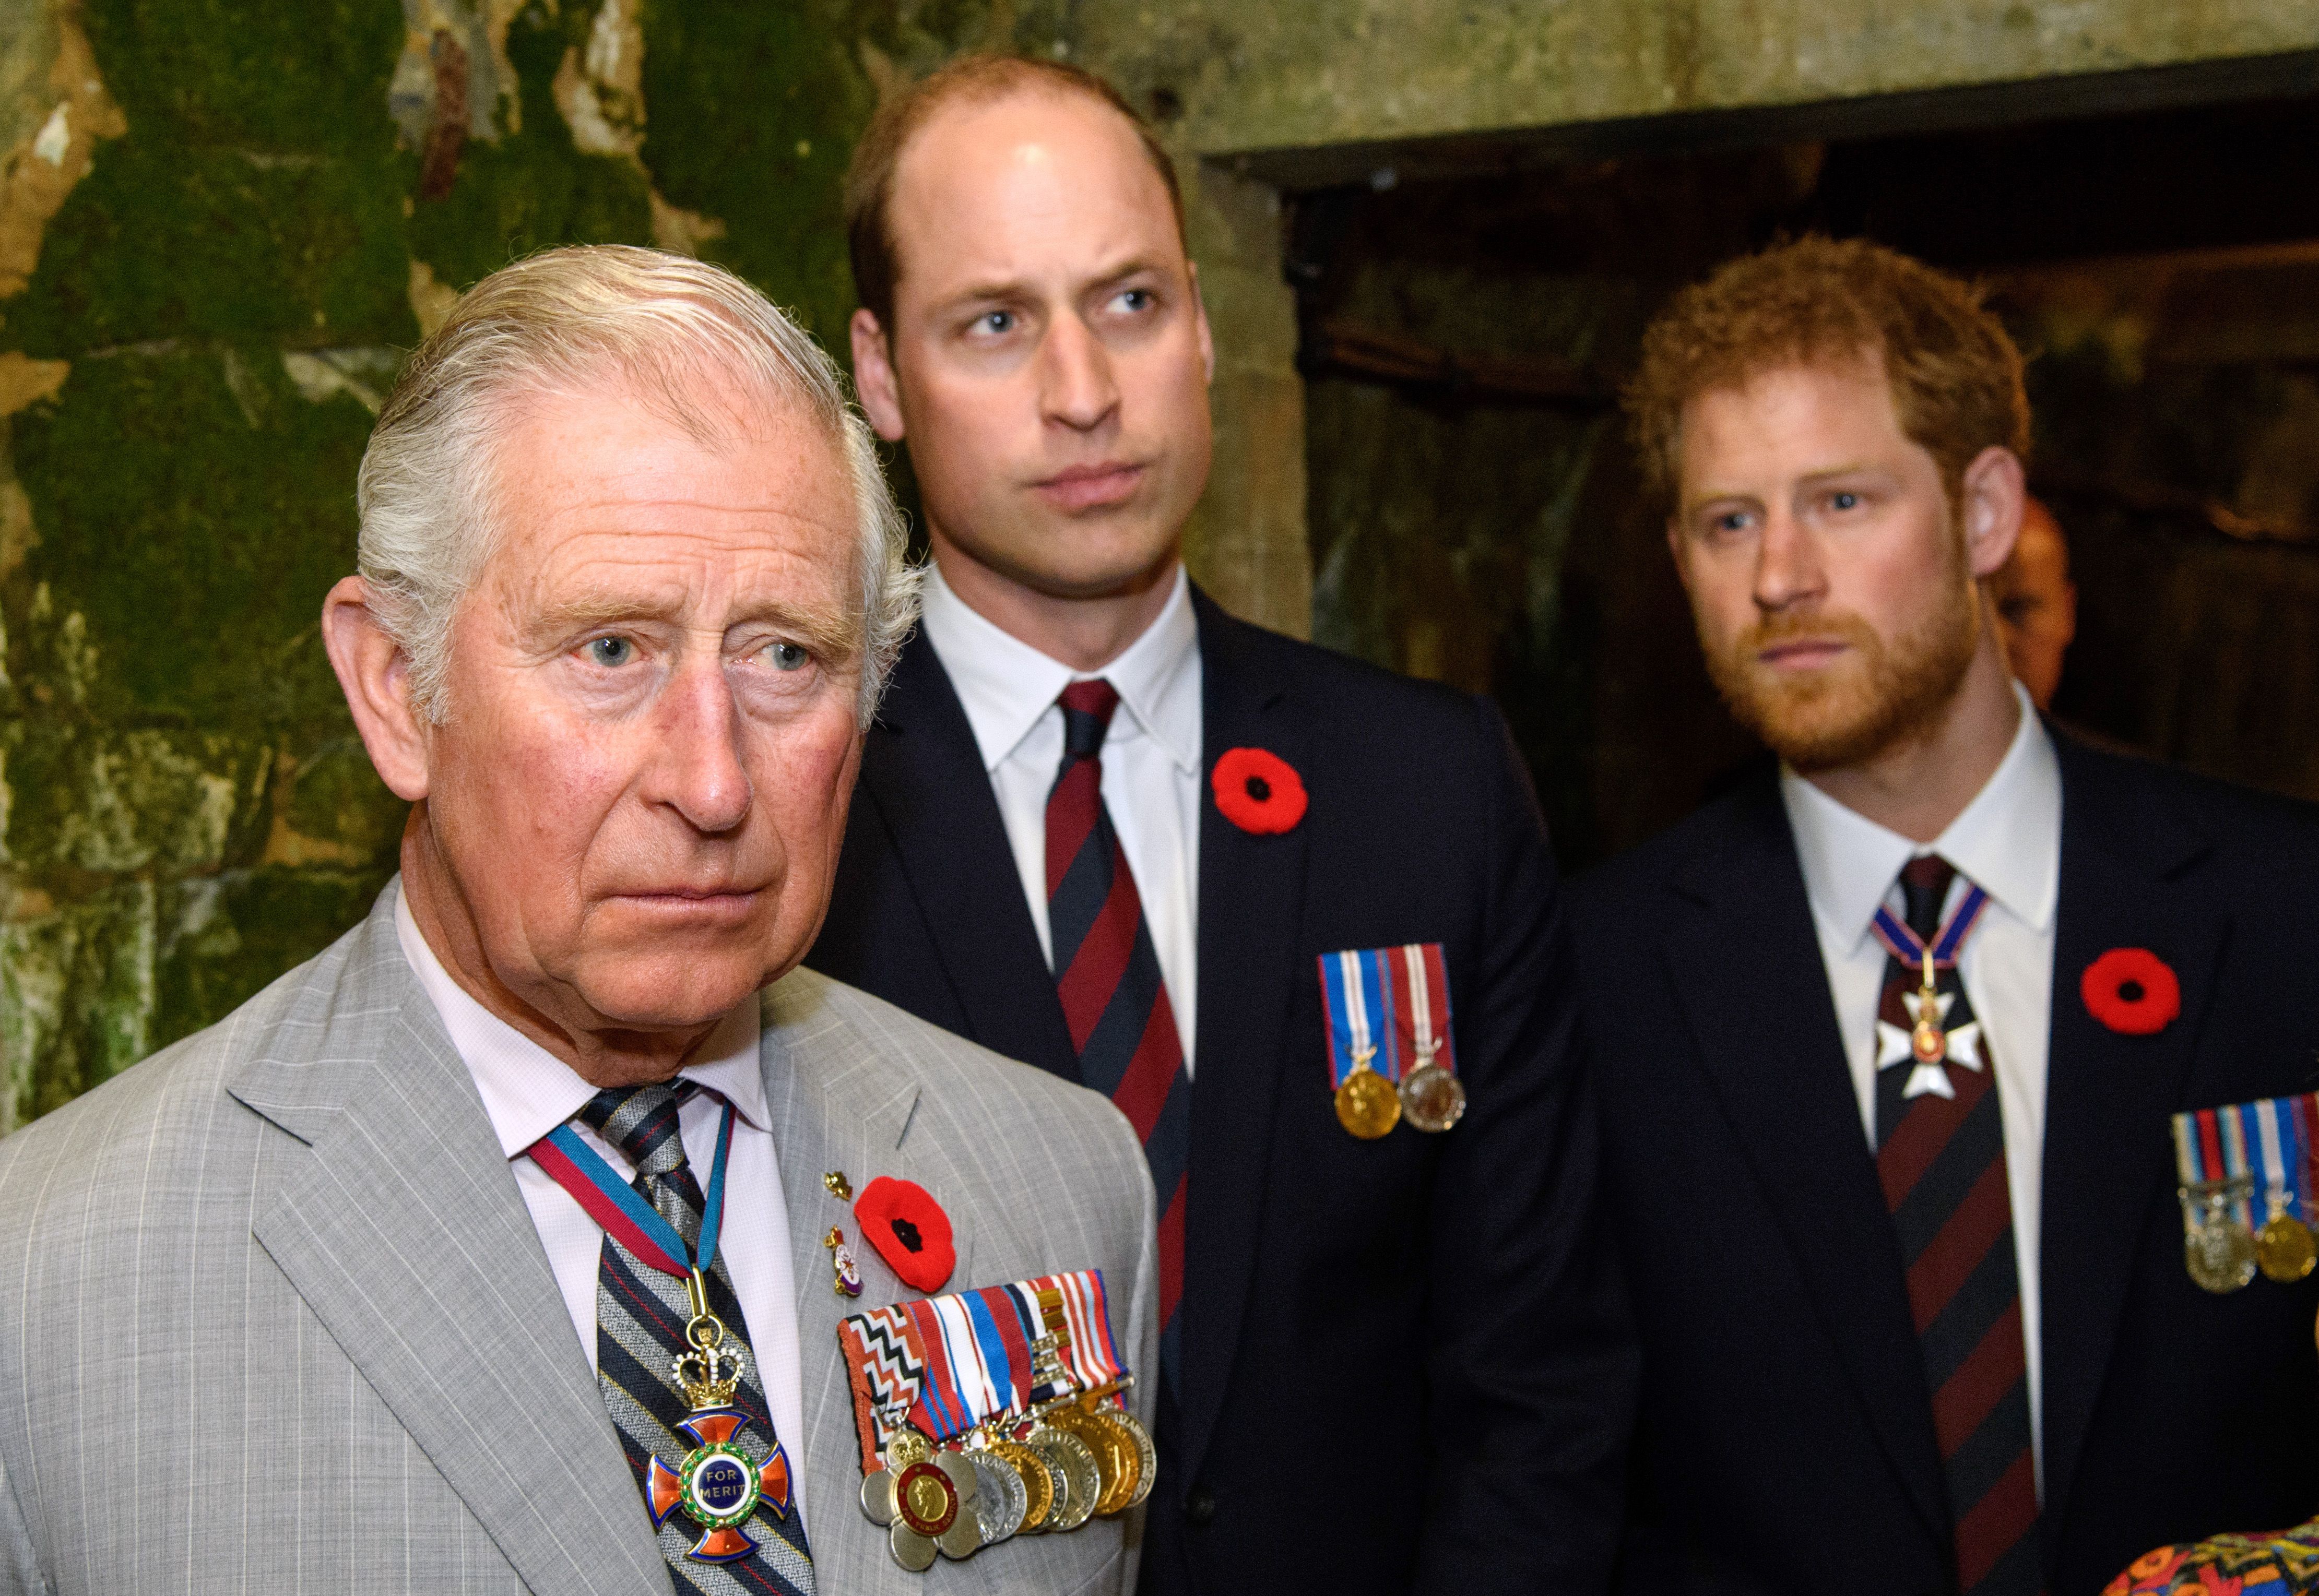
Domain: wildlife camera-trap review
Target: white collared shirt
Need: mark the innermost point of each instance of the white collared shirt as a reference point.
(1150, 762)
(527, 1091)
(2009, 842)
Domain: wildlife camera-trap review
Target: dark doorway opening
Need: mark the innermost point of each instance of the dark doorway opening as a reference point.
(1469, 311)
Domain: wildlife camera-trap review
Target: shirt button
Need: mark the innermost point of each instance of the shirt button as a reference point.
(1201, 1507)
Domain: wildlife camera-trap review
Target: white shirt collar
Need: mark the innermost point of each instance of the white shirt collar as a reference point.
(1005, 685)
(528, 1091)
(2007, 840)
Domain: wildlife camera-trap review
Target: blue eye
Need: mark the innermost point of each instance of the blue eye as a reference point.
(1139, 299)
(996, 321)
(1844, 500)
(788, 656)
(611, 651)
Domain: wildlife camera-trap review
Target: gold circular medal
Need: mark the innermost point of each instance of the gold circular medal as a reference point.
(1147, 1456)
(1082, 1481)
(1431, 1098)
(1040, 1479)
(1116, 1459)
(2284, 1249)
(1367, 1104)
(2220, 1257)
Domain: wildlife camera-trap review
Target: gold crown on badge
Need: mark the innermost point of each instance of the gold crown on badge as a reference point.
(710, 1372)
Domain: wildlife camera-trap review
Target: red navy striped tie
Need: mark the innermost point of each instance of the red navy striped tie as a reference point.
(1941, 1161)
(1107, 973)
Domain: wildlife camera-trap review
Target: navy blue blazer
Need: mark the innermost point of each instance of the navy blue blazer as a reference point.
(1406, 1365)
(1786, 1440)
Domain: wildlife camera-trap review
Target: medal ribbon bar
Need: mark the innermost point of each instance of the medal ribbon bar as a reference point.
(946, 1364)
(2268, 1143)
(1357, 997)
(1419, 994)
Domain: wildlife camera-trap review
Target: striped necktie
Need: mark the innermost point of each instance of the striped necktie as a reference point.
(1941, 1160)
(640, 1319)
(1108, 976)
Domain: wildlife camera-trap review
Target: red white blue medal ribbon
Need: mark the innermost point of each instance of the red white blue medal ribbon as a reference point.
(613, 1204)
(1365, 1030)
(1420, 1003)
(1904, 944)
(2267, 1145)
(945, 1365)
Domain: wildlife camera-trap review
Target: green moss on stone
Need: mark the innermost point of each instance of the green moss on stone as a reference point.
(337, 798)
(259, 75)
(160, 241)
(194, 510)
(533, 189)
(751, 114)
(225, 939)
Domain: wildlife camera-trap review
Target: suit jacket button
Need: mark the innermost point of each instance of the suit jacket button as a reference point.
(1201, 1507)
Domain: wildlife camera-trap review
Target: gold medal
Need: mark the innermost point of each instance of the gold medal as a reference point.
(1366, 1104)
(1147, 1456)
(2284, 1247)
(1038, 1477)
(2219, 1250)
(1117, 1463)
(1431, 1098)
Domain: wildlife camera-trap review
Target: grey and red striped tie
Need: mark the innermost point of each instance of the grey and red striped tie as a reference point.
(1107, 974)
(1941, 1161)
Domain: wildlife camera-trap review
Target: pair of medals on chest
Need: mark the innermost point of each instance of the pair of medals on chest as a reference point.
(727, 1474)
(1046, 1467)
(2224, 1156)
(1390, 1054)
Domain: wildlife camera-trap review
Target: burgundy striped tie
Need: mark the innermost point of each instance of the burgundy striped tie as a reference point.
(1108, 975)
(1942, 1164)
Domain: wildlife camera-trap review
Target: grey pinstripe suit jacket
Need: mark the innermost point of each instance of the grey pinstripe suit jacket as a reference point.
(274, 1316)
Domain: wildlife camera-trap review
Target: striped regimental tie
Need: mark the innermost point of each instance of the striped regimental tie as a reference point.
(640, 1319)
(1941, 1160)
(1108, 975)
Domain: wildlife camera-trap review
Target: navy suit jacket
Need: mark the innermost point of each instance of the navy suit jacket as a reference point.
(1405, 1364)
(1786, 1440)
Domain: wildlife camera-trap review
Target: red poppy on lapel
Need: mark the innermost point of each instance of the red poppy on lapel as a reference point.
(909, 1230)
(1258, 790)
(2132, 991)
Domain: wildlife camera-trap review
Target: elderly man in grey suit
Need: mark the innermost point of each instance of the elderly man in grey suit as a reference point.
(292, 1306)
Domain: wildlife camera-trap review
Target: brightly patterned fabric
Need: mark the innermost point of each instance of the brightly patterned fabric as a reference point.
(2286, 1564)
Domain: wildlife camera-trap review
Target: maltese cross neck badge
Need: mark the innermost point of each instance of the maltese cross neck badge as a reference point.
(1927, 1044)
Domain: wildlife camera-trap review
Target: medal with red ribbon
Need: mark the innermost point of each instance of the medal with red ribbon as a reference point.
(2228, 1156)
(1390, 1055)
(1927, 1043)
(718, 1484)
(1004, 1400)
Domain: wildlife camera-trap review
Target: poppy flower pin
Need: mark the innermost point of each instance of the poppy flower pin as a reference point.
(909, 1230)
(1258, 790)
(2132, 991)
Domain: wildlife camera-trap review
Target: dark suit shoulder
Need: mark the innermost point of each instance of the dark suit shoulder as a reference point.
(2133, 793)
(1749, 817)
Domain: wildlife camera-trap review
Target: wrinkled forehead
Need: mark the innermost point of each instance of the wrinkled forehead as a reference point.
(609, 503)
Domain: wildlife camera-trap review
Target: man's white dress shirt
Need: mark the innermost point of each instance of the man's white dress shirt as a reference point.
(2009, 842)
(527, 1091)
(1150, 762)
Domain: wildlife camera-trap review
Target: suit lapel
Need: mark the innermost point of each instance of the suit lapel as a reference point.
(1250, 955)
(399, 1222)
(923, 772)
(838, 1105)
(1745, 961)
(2129, 878)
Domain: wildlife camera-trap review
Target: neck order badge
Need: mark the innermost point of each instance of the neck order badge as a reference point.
(1390, 1053)
(2221, 1156)
(718, 1486)
(1927, 1041)
(990, 1413)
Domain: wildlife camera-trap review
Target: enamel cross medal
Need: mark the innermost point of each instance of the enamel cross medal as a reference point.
(1927, 1045)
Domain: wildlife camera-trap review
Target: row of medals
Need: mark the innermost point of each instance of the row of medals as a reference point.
(2223, 1253)
(1429, 1097)
(1046, 1471)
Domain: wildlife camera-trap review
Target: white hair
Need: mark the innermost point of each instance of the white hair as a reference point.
(558, 321)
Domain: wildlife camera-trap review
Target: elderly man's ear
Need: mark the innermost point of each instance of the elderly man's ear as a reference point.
(376, 678)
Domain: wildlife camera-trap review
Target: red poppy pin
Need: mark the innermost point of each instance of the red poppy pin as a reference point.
(2132, 991)
(909, 1230)
(1258, 790)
